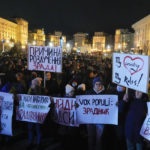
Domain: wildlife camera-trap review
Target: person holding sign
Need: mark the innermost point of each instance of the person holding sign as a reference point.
(35, 89)
(51, 85)
(95, 131)
(136, 114)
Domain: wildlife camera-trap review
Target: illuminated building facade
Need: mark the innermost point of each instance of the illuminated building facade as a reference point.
(142, 35)
(123, 40)
(79, 39)
(14, 32)
(54, 39)
(37, 37)
(99, 40)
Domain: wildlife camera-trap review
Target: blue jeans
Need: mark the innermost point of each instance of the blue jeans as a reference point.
(94, 136)
(131, 146)
(31, 127)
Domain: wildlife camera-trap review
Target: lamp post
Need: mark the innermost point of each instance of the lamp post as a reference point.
(3, 41)
(119, 47)
(50, 44)
(34, 43)
(68, 47)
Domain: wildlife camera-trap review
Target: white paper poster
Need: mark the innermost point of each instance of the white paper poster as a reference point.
(6, 113)
(131, 71)
(145, 130)
(65, 112)
(44, 58)
(97, 109)
(32, 108)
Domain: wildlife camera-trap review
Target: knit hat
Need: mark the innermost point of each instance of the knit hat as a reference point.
(82, 87)
(96, 79)
(69, 88)
(36, 81)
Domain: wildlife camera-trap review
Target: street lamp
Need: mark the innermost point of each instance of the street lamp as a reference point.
(3, 41)
(108, 46)
(50, 44)
(68, 46)
(34, 43)
(119, 47)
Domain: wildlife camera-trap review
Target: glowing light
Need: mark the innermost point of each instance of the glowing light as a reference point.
(23, 46)
(108, 46)
(68, 45)
(34, 43)
(51, 44)
(119, 46)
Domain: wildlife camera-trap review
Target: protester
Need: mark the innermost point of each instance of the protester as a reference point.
(80, 76)
(34, 90)
(51, 87)
(95, 131)
(135, 117)
(120, 142)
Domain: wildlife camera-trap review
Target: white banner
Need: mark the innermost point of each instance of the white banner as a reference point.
(44, 58)
(32, 108)
(97, 109)
(145, 130)
(131, 71)
(6, 109)
(64, 111)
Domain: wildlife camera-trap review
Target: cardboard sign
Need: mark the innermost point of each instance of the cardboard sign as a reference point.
(46, 58)
(131, 71)
(6, 113)
(32, 108)
(65, 112)
(145, 130)
(97, 109)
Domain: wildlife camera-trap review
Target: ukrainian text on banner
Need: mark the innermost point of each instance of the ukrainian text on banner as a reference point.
(145, 130)
(32, 108)
(131, 71)
(97, 109)
(64, 112)
(44, 58)
(6, 113)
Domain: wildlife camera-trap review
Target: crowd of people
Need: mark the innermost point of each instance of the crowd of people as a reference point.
(81, 75)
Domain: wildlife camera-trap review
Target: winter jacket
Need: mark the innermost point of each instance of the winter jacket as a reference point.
(136, 114)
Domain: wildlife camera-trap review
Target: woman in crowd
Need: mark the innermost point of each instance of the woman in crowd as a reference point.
(35, 89)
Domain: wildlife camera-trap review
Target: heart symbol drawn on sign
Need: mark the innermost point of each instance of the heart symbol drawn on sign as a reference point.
(133, 65)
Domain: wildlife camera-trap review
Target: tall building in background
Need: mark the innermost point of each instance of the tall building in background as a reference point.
(142, 35)
(81, 42)
(14, 32)
(79, 39)
(123, 40)
(22, 32)
(53, 40)
(99, 40)
(37, 37)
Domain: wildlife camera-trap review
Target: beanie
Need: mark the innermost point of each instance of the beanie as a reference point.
(69, 88)
(96, 79)
(82, 87)
(35, 82)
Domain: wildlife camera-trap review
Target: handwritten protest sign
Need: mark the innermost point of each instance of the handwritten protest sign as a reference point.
(6, 112)
(45, 58)
(145, 130)
(32, 108)
(131, 71)
(65, 112)
(95, 109)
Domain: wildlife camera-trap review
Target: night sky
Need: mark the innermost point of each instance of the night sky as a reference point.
(72, 16)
